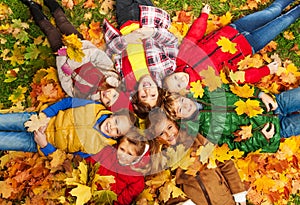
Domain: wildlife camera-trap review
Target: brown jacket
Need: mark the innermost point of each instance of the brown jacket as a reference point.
(214, 185)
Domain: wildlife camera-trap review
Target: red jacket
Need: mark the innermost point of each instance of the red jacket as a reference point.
(129, 183)
(199, 51)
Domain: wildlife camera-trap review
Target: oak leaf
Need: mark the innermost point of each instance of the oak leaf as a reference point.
(36, 121)
(227, 45)
(210, 79)
(250, 107)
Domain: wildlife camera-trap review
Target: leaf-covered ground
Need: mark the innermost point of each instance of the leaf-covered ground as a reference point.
(28, 81)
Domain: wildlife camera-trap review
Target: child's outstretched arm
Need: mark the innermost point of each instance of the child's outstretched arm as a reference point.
(198, 28)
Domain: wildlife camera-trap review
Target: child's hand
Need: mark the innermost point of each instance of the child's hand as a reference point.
(133, 38)
(40, 137)
(273, 67)
(112, 81)
(145, 32)
(206, 9)
(269, 102)
(268, 133)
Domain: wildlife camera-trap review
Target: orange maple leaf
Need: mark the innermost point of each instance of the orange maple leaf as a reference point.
(244, 133)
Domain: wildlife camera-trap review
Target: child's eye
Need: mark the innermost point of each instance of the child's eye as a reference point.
(170, 127)
(175, 77)
(108, 102)
(153, 95)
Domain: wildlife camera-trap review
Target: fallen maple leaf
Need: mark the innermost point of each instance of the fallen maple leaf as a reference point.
(82, 192)
(226, 19)
(35, 122)
(250, 107)
(179, 157)
(288, 35)
(244, 91)
(238, 76)
(204, 152)
(244, 133)
(197, 89)
(210, 79)
(227, 45)
(5, 189)
(107, 6)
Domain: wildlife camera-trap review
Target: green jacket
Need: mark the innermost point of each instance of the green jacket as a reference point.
(218, 121)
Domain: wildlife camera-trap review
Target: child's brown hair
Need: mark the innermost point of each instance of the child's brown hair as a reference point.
(142, 109)
(168, 104)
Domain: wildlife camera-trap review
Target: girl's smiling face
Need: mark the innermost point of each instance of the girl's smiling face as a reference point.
(115, 126)
(109, 97)
(184, 107)
(147, 91)
(177, 82)
(167, 131)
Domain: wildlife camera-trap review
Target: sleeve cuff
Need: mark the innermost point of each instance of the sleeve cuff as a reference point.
(240, 197)
(49, 149)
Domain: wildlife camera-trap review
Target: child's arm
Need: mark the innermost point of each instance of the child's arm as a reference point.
(131, 192)
(198, 28)
(234, 181)
(64, 104)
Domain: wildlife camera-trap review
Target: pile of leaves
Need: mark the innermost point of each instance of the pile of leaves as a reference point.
(29, 82)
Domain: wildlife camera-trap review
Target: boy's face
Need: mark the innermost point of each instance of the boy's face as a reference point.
(109, 97)
(184, 107)
(167, 131)
(177, 81)
(126, 153)
(147, 91)
(116, 126)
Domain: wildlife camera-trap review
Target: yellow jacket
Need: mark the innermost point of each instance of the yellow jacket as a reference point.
(72, 130)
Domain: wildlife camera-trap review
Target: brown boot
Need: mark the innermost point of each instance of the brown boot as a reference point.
(64, 24)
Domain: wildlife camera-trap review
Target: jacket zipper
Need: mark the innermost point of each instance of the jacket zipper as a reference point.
(210, 54)
(203, 189)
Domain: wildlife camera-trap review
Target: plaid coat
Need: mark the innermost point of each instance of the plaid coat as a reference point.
(160, 50)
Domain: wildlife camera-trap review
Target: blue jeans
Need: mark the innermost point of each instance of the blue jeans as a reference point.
(263, 26)
(288, 112)
(13, 134)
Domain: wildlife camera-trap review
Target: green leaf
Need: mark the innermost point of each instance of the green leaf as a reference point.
(105, 197)
(32, 52)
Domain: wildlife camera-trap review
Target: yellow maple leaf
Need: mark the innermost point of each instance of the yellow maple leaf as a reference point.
(179, 157)
(74, 47)
(221, 153)
(168, 188)
(250, 107)
(83, 194)
(249, 61)
(18, 55)
(146, 194)
(238, 76)
(245, 132)
(225, 19)
(159, 179)
(264, 184)
(288, 148)
(244, 91)
(210, 79)
(58, 158)
(288, 35)
(288, 78)
(197, 89)
(68, 4)
(36, 121)
(227, 45)
(204, 152)
(293, 69)
(236, 153)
